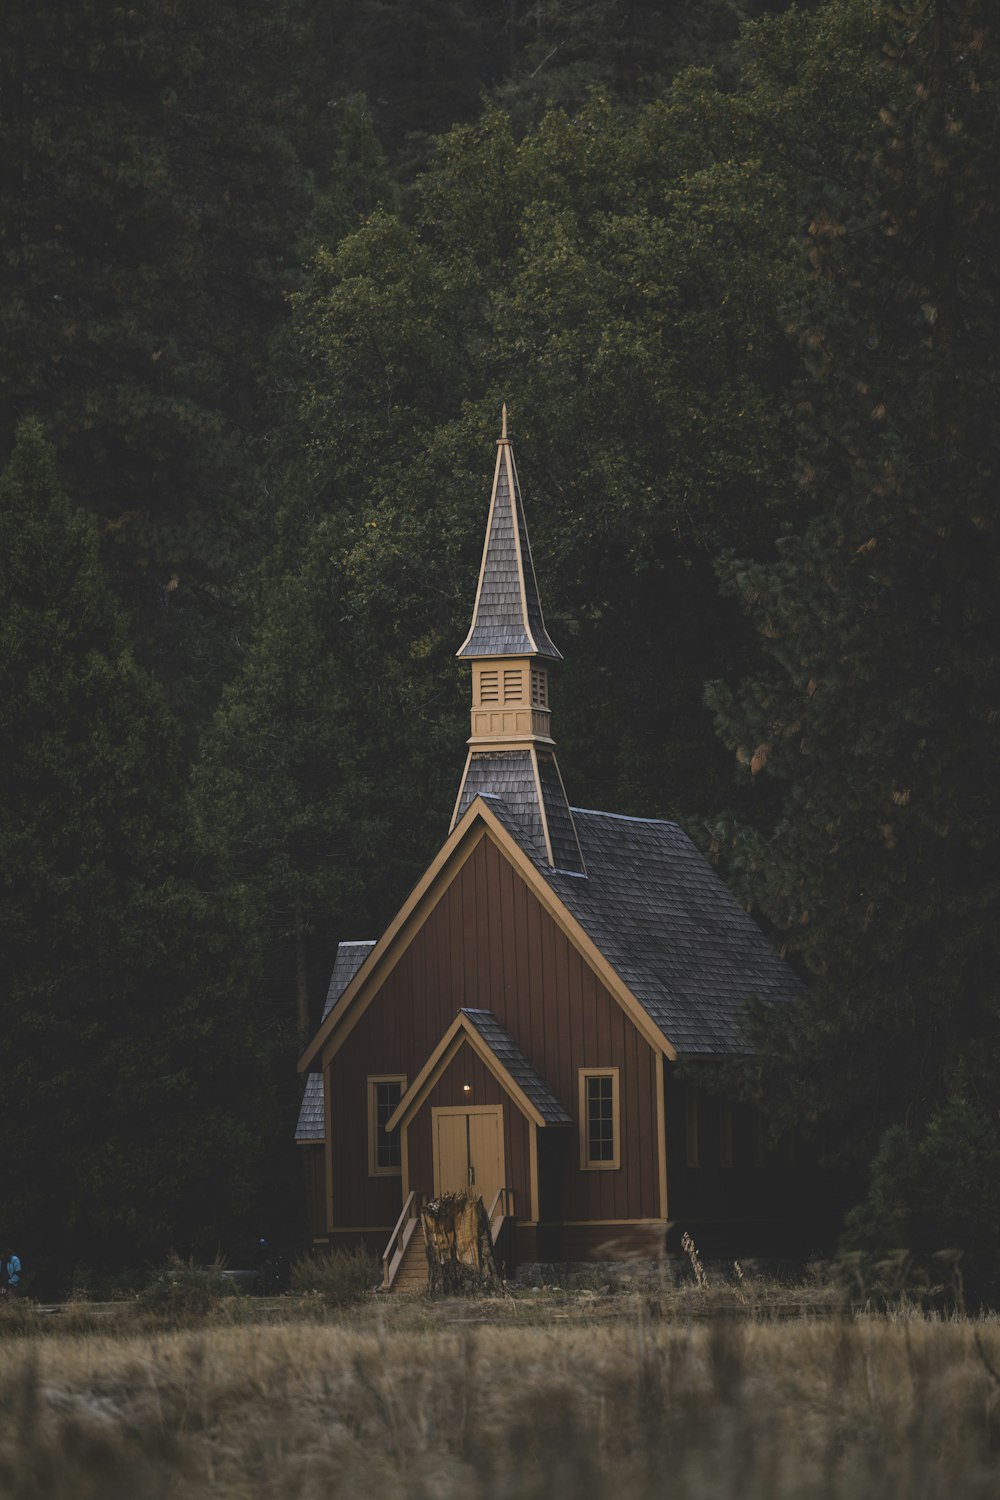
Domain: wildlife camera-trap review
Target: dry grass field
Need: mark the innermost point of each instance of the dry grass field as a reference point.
(544, 1397)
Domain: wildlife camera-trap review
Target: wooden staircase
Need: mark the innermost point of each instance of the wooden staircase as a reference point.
(404, 1260)
(412, 1273)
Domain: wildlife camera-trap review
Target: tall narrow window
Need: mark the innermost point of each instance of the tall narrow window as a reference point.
(691, 1122)
(600, 1119)
(727, 1152)
(384, 1093)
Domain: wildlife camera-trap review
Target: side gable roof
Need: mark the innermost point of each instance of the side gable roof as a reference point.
(503, 1057)
(350, 957)
(670, 927)
(311, 1124)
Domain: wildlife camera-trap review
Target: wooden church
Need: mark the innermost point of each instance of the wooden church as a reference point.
(518, 1027)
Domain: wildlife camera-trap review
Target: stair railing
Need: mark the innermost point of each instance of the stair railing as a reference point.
(501, 1208)
(395, 1250)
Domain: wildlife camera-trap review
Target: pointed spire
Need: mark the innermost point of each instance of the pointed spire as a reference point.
(507, 615)
(511, 751)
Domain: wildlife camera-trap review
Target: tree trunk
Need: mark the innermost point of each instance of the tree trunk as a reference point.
(459, 1245)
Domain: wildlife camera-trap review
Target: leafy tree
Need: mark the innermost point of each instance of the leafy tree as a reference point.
(128, 1070)
(148, 193)
(878, 717)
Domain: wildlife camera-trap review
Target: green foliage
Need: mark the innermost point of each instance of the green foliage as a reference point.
(119, 1122)
(342, 1277)
(180, 1290)
(876, 852)
(148, 181)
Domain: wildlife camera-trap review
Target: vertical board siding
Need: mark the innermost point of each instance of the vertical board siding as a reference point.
(488, 943)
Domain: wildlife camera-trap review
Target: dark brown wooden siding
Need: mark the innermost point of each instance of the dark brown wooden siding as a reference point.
(489, 943)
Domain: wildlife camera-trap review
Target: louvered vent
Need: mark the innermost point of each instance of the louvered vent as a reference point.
(539, 688)
(512, 685)
(489, 687)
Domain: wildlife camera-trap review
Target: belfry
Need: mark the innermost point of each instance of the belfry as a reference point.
(511, 750)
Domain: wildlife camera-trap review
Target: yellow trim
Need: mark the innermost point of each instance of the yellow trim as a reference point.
(586, 1165)
(374, 1170)
(727, 1135)
(461, 789)
(467, 1109)
(661, 1134)
(421, 902)
(499, 746)
(377, 962)
(692, 1128)
(512, 486)
(328, 1145)
(533, 1170)
(585, 1223)
(486, 548)
(313, 1140)
(439, 1059)
(541, 807)
(572, 823)
(360, 1229)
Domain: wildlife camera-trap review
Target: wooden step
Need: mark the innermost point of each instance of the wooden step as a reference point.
(412, 1274)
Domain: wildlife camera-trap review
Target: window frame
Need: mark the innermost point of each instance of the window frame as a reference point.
(692, 1128)
(374, 1079)
(727, 1135)
(614, 1164)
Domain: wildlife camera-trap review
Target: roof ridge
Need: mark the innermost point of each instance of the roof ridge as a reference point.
(598, 812)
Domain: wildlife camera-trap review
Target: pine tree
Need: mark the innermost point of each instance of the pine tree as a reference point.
(121, 1004)
(877, 725)
(149, 204)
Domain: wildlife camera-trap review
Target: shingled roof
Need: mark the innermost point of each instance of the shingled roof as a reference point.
(350, 957)
(511, 775)
(507, 616)
(668, 926)
(504, 1048)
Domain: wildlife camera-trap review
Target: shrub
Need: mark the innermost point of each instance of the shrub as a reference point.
(180, 1289)
(341, 1277)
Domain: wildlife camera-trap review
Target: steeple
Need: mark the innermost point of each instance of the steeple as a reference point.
(511, 750)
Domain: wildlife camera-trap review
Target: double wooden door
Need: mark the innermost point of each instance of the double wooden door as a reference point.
(468, 1150)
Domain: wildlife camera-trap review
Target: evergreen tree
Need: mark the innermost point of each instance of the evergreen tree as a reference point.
(149, 199)
(128, 1071)
(878, 722)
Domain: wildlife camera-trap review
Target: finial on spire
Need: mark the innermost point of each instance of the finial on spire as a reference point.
(503, 423)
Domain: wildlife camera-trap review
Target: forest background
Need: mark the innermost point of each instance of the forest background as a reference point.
(268, 272)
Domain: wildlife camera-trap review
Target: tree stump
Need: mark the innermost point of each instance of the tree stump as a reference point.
(459, 1245)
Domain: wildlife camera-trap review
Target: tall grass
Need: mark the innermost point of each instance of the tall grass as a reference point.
(414, 1397)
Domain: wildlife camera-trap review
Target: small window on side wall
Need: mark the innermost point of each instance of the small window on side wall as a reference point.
(727, 1149)
(692, 1121)
(384, 1092)
(600, 1120)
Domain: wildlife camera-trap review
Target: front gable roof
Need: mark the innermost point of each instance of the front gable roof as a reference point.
(505, 1060)
(481, 820)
